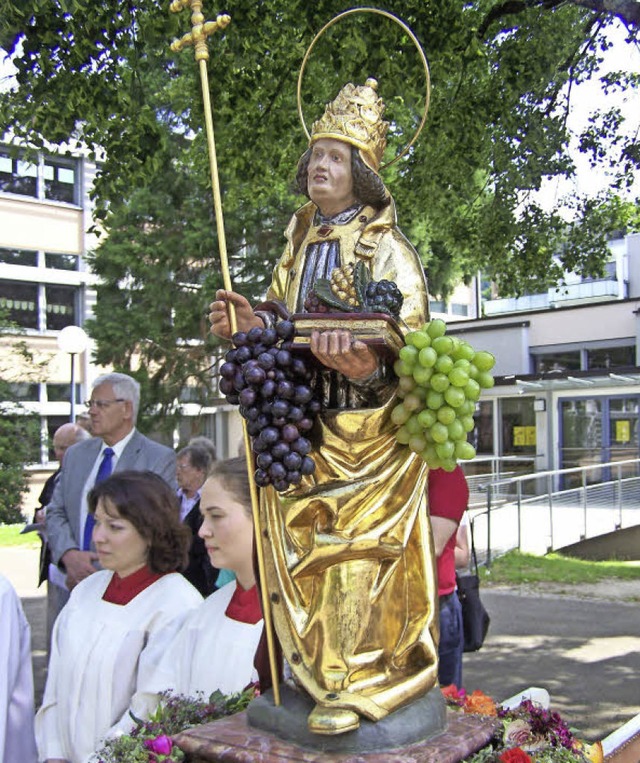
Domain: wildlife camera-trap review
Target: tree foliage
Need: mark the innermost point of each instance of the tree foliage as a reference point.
(467, 193)
(19, 431)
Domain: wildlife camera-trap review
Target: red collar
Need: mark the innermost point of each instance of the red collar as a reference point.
(245, 606)
(123, 590)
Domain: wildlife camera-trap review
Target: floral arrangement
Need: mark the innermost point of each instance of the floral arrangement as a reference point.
(528, 733)
(151, 741)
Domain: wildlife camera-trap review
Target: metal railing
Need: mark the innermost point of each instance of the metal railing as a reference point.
(540, 512)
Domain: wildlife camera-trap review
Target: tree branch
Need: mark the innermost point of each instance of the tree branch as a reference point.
(628, 11)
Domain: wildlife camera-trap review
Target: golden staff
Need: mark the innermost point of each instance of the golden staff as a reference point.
(200, 30)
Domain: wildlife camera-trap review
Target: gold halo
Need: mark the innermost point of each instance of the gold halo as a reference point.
(423, 58)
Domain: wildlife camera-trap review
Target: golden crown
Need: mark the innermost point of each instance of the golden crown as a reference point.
(355, 116)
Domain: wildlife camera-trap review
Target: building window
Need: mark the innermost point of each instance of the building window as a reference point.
(60, 306)
(557, 361)
(611, 357)
(20, 300)
(19, 257)
(61, 393)
(61, 261)
(518, 421)
(482, 436)
(53, 178)
(459, 309)
(437, 306)
(59, 180)
(18, 176)
(25, 392)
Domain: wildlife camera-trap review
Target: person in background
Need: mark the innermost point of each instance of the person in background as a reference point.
(204, 442)
(84, 420)
(462, 550)
(119, 620)
(63, 438)
(192, 467)
(448, 495)
(215, 647)
(116, 446)
(17, 741)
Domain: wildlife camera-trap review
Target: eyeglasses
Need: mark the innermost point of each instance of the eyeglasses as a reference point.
(102, 404)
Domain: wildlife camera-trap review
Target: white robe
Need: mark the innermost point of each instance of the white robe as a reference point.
(17, 742)
(211, 651)
(100, 653)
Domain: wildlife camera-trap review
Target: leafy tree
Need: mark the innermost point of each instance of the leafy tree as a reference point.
(19, 431)
(467, 193)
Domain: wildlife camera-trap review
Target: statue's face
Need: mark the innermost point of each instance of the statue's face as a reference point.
(329, 178)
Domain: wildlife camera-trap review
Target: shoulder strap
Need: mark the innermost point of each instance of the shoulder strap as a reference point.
(473, 547)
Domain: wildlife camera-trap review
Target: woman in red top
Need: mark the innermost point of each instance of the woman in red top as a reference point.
(448, 499)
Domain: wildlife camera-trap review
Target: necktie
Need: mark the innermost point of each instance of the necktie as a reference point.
(104, 470)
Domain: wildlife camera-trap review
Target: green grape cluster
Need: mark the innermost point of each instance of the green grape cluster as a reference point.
(440, 380)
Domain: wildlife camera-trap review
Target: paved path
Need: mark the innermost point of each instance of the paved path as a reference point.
(582, 645)
(584, 650)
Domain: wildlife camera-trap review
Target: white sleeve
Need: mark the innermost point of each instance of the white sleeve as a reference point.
(47, 726)
(17, 740)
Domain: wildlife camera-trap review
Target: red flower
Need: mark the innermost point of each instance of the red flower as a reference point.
(514, 755)
(453, 695)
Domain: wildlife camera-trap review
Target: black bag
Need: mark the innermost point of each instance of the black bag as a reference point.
(475, 618)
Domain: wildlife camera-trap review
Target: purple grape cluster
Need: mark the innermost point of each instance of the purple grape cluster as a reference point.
(313, 304)
(384, 297)
(272, 388)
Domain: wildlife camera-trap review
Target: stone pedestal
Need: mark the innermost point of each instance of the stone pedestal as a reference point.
(232, 740)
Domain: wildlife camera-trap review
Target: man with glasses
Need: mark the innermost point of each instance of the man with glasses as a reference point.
(116, 445)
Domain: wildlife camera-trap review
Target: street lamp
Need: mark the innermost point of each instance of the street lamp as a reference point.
(74, 340)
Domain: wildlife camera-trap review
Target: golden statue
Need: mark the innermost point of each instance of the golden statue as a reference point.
(348, 552)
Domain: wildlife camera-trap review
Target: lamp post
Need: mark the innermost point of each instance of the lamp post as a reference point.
(74, 340)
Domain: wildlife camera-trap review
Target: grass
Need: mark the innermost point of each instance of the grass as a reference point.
(10, 536)
(515, 568)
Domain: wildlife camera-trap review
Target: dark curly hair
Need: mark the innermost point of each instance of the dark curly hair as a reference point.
(152, 507)
(368, 187)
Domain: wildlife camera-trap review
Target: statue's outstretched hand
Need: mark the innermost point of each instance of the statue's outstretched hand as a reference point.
(219, 314)
(338, 350)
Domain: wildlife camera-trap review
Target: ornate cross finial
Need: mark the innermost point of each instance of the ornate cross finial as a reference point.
(200, 29)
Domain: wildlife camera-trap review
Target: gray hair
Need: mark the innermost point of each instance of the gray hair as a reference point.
(199, 458)
(204, 443)
(123, 386)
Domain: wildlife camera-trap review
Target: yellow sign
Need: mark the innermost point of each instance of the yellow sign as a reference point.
(523, 436)
(623, 431)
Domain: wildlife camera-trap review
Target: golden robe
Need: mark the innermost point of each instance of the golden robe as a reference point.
(348, 552)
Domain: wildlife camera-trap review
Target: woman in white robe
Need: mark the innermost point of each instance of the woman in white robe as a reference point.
(215, 648)
(119, 620)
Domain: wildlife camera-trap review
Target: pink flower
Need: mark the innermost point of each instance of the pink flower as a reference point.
(161, 745)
